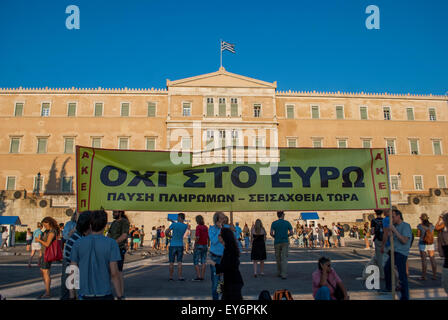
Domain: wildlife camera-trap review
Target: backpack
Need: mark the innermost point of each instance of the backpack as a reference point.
(283, 294)
(264, 296)
(429, 236)
(330, 233)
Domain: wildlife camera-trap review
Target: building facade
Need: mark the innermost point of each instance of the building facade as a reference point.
(41, 127)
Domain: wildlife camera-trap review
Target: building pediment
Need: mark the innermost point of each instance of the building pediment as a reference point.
(222, 79)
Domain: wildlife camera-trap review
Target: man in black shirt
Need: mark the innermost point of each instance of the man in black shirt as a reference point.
(377, 229)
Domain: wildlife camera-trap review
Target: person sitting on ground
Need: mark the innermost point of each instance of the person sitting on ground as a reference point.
(326, 283)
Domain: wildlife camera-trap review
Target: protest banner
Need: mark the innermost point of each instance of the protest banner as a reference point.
(304, 179)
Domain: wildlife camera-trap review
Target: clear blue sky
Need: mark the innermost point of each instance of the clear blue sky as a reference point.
(303, 44)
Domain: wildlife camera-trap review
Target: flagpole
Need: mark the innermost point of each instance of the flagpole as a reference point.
(220, 50)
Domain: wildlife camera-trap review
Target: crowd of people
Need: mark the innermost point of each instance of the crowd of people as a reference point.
(99, 254)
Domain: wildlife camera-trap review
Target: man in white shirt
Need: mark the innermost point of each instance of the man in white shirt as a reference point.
(335, 235)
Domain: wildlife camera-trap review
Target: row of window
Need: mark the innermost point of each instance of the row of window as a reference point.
(67, 183)
(414, 145)
(72, 107)
(222, 109)
(363, 113)
(211, 140)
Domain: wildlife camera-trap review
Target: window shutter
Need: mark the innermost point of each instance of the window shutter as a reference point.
(71, 109)
(19, 110)
(41, 145)
(339, 112)
(125, 109)
(69, 145)
(14, 145)
(363, 113)
(98, 109)
(151, 109)
(234, 110)
(410, 113)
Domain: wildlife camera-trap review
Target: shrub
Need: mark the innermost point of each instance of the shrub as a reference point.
(20, 236)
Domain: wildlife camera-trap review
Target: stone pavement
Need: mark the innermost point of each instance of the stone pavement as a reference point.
(147, 277)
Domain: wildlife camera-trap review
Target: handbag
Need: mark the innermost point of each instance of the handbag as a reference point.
(338, 293)
(53, 252)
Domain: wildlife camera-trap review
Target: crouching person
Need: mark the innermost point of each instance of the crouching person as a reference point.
(96, 257)
(326, 283)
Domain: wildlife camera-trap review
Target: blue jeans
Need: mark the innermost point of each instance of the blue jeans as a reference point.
(323, 294)
(200, 254)
(175, 252)
(215, 278)
(400, 262)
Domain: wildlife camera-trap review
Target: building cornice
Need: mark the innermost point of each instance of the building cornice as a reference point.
(74, 90)
(338, 94)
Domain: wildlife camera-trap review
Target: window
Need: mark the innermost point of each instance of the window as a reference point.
(315, 112)
(386, 112)
(151, 109)
(98, 109)
(414, 146)
(186, 109)
(257, 110)
(339, 112)
(367, 143)
(96, 142)
(42, 145)
(10, 183)
(235, 141)
(38, 184)
(209, 141)
(234, 107)
(123, 143)
(210, 107)
(418, 182)
(71, 109)
(290, 112)
(222, 137)
(14, 147)
(432, 114)
(68, 145)
(437, 147)
(292, 142)
(363, 112)
(125, 109)
(390, 144)
(394, 183)
(222, 107)
(441, 181)
(151, 143)
(67, 184)
(18, 111)
(410, 113)
(342, 143)
(186, 143)
(317, 143)
(45, 109)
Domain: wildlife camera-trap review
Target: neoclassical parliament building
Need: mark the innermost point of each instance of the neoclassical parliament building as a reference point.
(40, 128)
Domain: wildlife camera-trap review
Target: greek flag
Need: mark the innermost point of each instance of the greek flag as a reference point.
(227, 46)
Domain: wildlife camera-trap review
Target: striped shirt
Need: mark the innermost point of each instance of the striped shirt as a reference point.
(69, 244)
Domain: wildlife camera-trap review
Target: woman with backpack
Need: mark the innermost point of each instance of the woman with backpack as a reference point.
(50, 235)
(425, 231)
